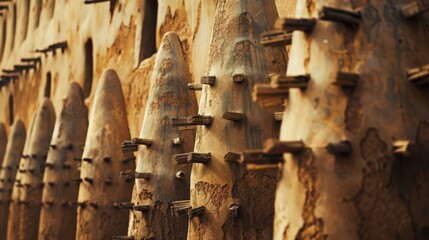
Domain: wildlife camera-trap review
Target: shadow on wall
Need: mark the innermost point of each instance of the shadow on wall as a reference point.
(3, 38)
(148, 35)
(11, 109)
(89, 68)
(48, 85)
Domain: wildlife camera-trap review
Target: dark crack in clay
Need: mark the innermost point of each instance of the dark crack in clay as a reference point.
(307, 176)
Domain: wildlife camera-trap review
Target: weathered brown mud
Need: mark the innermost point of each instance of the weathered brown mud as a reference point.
(8, 171)
(218, 185)
(58, 214)
(15, 201)
(168, 98)
(33, 170)
(370, 193)
(102, 162)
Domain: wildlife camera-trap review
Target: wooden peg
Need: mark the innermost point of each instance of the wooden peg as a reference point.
(95, 1)
(93, 205)
(142, 208)
(70, 147)
(35, 59)
(129, 146)
(49, 165)
(24, 67)
(107, 159)
(130, 159)
(142, 141)
(194, 212)
(142, 175)
(108, 181)
(274, 146)
(232, 157)
(348, 17)
(181, 207)
(190, 158)
(26, 203)
(6, 79)
(278, 116)
(180, 175)
(295, 24)
(233, 211)
(177, 141)
(81, 204)
(418, 76)
(276, 38)
(238, 77)
(192, 121)
(404, 148)
(209, 80)
(232, 116)
(195, 86)
(9, 71)
(413, 9)
(287, 82)
(340, 148)
(60, 45)
(89, 180)
(258, 160)
(268, 96)
(67, 166)
(131, 175)
(48, 204)
(345, 79)
(124, 205)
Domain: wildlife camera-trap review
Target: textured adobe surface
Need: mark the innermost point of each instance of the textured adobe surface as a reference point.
(58, 213)
(100, 185)
(369, 194)
(168, 98)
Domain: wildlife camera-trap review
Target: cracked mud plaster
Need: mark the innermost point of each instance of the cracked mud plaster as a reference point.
(161, 222)
(257, 184)
(383, 212)
(158, 222)
(213, 203)
(353, 115)
(307, 176)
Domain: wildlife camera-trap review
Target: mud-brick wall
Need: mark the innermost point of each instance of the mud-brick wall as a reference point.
(123, 37)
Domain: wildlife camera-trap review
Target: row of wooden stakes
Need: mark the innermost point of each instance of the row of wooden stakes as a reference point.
(98, 154)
